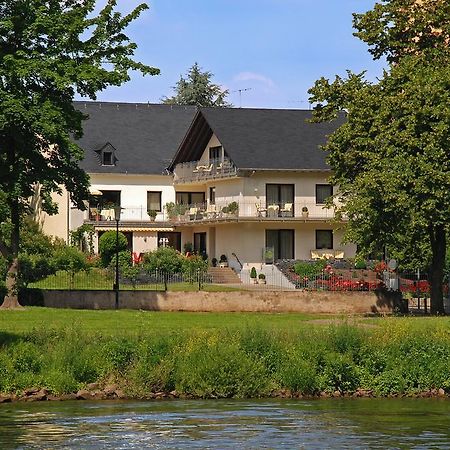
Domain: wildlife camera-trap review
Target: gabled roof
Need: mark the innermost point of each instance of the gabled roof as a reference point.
(273, 139)
(144, 136)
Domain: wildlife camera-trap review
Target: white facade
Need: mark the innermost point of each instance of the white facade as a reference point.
(206, 222)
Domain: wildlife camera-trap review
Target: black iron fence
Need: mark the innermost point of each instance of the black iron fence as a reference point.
(103, 279)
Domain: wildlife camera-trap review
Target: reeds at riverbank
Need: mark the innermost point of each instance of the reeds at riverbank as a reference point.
(395, 357)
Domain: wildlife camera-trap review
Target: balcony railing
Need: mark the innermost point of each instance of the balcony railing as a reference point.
(194, 171)
(221, 211)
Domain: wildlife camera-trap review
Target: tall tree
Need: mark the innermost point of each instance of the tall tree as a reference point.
(197, 89)
(390, 159)
(49, 51)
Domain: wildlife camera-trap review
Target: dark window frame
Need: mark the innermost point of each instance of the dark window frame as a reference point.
(190, 202)
(160, 200)
(321, 185)
(111, 155)
(279, 232)
(212, 195)
(212, 150)
(330, 232)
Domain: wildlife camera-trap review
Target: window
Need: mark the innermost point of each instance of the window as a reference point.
(154, 201)
(282, 242)
(323, 192)
(107, 158)
(324, 239)
(281, 195)
(212, 195)
(169, 239)
(110, 199)
(215, 153)
(190, 198)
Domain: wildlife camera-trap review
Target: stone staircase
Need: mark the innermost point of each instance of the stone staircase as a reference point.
(224, 275)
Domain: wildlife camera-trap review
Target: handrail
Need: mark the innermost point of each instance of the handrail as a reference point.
(237, 259)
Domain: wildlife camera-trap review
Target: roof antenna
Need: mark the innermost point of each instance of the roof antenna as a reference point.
(240, 94)
(301, 101)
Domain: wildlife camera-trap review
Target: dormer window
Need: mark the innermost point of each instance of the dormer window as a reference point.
(107, 155)
(107, 158)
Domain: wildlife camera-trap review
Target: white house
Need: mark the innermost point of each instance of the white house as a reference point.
(247, 183)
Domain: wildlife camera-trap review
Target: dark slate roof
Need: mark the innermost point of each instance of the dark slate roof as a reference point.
(274, 139)
(144, 136)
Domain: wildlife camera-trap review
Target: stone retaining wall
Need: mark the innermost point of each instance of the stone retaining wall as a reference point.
(244, 301)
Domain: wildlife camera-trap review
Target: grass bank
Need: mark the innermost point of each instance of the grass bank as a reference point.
(221, 355)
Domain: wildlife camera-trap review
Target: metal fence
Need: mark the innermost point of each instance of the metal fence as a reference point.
(104, 279)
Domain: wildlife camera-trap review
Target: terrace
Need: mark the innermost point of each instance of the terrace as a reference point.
(229, 210)
(195, 171)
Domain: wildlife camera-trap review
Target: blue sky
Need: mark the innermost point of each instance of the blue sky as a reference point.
(277, 48)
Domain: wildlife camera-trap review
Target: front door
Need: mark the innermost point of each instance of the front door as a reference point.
(200, 243)
(282, 242)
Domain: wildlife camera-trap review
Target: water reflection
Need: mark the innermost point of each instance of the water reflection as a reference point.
(338, 423)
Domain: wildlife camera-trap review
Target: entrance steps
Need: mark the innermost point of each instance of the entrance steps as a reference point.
(224, 275)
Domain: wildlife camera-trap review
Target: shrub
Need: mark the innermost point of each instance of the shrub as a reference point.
(165, 259)
(253, 273)
(107, 246)
(360, 264)
(309, 269)
(261, 276)
(71, 260)
(34, 268)
(193, 266)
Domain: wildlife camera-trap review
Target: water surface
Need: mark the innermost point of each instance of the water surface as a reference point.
(332, 423)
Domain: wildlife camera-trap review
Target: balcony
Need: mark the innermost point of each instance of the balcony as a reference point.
(198, 171)
(224, 211)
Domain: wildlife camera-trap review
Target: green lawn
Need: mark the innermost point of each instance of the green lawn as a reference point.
(133, 322)
(99, 279)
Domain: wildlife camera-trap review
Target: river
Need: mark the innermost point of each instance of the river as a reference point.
(330, 423)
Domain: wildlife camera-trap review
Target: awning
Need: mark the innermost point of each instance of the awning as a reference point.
(94, 191)
(99, 228)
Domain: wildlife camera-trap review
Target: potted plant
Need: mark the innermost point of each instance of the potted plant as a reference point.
(305, 212)
(170, 210)
(261, 278)
(223, 261)
(233, 208)
(253, 275)
(152, 214)
(268, 255)
(214, 262)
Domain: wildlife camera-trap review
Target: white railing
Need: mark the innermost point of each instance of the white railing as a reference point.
(221, 210)
(193, 171)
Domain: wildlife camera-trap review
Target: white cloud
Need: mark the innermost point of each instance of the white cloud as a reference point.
(252, 76)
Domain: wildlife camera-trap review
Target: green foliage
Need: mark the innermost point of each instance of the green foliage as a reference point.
(395, 29)
(253, 273)
(360, 263)
(389, 158)
(309, 269)
(108, 246)
(197, 89)
(395, 357)
(51, 52)
(34, 268)
(164, 259)
(71, 260)
(83, 238)
(194, 266)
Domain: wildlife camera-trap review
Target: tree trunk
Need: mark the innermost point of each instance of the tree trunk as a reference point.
(438, 248)
(12, 296)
